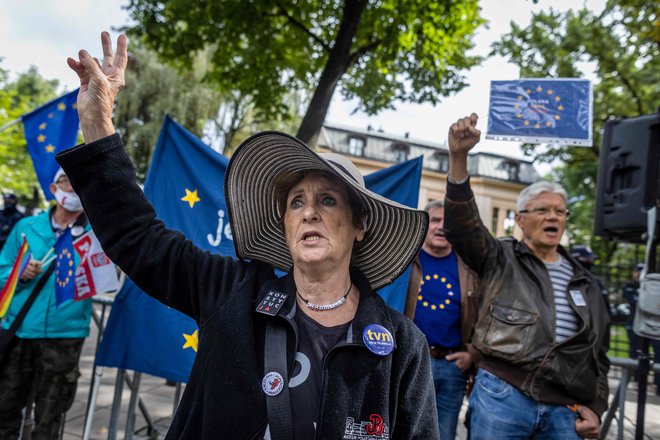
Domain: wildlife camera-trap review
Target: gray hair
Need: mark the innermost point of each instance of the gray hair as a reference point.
(537, 188)
(434, 204)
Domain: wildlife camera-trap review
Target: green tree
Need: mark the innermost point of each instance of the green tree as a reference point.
(622, 46)
(155, 89)
(378, 51)
(26, 93)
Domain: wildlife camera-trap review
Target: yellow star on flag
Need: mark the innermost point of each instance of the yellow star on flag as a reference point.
(539, 89)
(190, 197)
(49, 148)
(191, 341)
(61, 106)
(557, 117)
(548, 124)
(41, 138)
(42, 126)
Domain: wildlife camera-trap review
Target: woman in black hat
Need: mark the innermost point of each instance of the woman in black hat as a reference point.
(314, 354)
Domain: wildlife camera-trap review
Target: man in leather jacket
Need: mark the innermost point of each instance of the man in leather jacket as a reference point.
(542, 329)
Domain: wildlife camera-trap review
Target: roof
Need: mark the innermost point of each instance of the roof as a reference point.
(384, 147)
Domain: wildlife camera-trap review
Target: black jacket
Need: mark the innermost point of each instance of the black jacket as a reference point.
(223, 398)
(515, 329)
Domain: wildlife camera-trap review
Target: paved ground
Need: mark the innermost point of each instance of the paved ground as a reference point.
(158, 398)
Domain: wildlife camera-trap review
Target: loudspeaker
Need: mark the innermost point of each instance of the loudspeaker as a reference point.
(628, 177)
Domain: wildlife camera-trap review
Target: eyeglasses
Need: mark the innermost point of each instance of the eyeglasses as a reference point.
(542, 212)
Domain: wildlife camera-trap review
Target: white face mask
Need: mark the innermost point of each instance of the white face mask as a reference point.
(69, 200)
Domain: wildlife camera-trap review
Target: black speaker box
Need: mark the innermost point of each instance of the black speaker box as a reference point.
(628, 177)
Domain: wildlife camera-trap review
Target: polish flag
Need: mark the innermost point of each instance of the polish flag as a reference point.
(96, 273)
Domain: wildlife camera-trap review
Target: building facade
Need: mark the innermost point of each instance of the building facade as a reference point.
(496, 180)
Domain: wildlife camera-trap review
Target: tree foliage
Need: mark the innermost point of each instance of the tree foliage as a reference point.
(29, 91)
(622, 46)
(154, 89)
(378, 51)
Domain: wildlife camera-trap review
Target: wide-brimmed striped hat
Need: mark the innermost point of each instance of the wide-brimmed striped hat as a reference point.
(394, 233)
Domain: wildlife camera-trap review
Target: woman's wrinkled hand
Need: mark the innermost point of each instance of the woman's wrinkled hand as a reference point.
(99, 84)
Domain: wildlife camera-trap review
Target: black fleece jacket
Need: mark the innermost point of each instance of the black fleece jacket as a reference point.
(223, 398)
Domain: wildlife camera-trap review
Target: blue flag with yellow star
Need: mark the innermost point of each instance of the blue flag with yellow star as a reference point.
(541, 110)
(51, 128)
(65, 268)
(185, 184)
(400, 183)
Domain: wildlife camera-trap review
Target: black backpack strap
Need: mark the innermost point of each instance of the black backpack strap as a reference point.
(278, 402)
(13, 328)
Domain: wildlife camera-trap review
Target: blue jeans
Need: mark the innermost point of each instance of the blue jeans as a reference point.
(499, 411)
(449, 384)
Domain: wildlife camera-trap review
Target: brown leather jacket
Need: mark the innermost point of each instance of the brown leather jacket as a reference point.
(469, 298)
(515, 329)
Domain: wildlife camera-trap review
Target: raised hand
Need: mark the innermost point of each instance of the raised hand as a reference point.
(463, 134)
(99, 85)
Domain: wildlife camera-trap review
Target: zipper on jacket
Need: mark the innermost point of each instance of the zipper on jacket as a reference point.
(323, 370)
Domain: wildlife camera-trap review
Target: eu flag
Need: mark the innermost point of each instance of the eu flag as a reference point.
(50, 129)
(65, 268)
(541, 110)
(399, 183)
(185, 184)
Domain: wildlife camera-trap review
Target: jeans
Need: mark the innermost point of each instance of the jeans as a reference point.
(449, 384)
(499, 411)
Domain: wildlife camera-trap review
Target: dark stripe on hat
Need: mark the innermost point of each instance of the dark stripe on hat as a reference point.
(344, 170)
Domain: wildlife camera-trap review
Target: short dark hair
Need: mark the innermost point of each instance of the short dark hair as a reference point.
(284, 183)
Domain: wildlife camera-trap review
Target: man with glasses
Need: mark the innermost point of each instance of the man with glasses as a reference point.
(542, 330)
(43, 361)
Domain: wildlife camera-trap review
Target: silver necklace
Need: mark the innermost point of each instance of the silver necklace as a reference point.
(323, 308)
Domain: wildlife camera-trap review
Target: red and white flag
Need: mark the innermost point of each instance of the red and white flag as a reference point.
(96, 273)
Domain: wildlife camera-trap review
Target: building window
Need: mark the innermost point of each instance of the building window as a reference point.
(509, 222)
(494, 221)
(401, 152)
(512, 168)
(356, 145)
(443, 161)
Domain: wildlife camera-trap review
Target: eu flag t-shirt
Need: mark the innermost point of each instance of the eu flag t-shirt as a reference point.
(438, 311)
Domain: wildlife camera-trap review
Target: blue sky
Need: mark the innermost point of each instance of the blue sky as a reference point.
(44, 33)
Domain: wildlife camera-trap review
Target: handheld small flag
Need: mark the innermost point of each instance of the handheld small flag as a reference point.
(50, 129)
(541, 110)
(96, 273)
(64, 268)
(22, 260)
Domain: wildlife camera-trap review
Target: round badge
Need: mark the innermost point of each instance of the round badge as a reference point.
(77, 230)
(378, 339)
(272, 383)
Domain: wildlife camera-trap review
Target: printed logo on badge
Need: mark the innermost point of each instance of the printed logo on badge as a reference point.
(378, 339)
(578, 299)
(272, 383)
(272, 303)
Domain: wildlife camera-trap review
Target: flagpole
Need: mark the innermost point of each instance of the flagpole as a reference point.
(10, 124)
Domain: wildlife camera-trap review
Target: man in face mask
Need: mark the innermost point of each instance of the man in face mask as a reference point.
(43, 361)
(8, 217)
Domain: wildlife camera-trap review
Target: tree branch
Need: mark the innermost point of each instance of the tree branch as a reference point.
(352, 58)
(296, 23)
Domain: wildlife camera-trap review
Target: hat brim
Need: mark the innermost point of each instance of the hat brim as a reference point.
(394, 232)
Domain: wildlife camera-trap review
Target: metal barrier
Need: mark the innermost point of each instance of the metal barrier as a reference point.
(628, 367)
